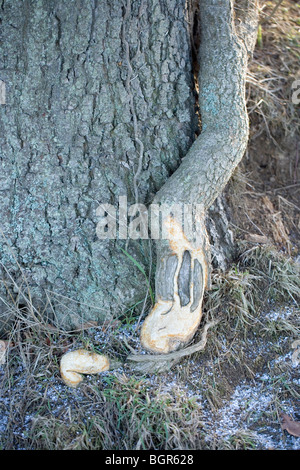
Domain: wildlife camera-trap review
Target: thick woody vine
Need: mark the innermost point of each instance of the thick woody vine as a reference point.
(227, 38)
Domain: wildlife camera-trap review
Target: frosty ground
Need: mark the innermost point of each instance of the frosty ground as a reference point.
(209, 401)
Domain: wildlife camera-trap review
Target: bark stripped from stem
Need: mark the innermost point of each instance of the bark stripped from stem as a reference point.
(223, 57)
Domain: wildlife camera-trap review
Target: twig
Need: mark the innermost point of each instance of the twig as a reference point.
(177, 354)
(289, 203)
(272, 12)
(283, 188)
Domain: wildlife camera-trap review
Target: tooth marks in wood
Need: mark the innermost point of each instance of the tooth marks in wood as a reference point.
(165, 278)
(198, 285)
(184, 279)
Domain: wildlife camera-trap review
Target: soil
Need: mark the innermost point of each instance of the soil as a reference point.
(239, 403)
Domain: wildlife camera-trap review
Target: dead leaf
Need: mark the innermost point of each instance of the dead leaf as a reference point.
(296, 344)
(296, 353)
(292, 427)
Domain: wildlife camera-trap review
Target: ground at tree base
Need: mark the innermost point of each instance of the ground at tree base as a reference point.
(201, 410)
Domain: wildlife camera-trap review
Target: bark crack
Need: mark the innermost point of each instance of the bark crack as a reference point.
(138, 141)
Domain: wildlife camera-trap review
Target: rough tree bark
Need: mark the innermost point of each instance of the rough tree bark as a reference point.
(86, 82)
(100, 103)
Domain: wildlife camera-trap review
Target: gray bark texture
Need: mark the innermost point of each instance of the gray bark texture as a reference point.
(100, 103)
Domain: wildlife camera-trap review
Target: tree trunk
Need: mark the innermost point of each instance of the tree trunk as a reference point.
(100, 103)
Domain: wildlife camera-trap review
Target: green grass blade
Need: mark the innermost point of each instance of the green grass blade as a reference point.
(137, 264)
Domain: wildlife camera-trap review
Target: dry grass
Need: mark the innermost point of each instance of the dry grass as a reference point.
(264, 194)
(274, 67)
(178, 409)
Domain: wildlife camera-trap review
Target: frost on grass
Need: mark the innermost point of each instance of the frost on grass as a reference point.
(248, 415)
(244, 414)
